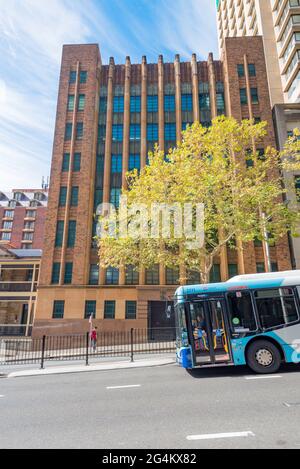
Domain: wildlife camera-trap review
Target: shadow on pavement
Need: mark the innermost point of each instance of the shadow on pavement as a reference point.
(236, 371)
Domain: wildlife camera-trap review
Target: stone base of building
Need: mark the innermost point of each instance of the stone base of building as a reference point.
(151, 308)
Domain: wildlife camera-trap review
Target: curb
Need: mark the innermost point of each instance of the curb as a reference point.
(87, 369)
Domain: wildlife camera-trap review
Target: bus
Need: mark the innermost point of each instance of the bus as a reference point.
(249, 320)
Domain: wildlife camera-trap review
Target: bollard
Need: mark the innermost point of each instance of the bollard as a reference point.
(43, 352)
(131, 344)
(87, 349)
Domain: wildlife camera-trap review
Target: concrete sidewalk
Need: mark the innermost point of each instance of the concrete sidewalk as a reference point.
(96, 366)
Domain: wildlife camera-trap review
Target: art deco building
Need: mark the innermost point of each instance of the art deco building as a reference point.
(108, 118)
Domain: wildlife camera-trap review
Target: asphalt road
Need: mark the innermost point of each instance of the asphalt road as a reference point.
(164, 407)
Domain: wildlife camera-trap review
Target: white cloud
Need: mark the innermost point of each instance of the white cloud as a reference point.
(32, 34)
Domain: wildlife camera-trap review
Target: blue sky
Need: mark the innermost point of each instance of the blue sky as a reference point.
(32, 33)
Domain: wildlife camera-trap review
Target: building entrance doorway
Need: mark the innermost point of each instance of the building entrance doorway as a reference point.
(161, 320)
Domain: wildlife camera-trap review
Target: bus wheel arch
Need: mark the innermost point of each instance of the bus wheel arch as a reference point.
(263, 354)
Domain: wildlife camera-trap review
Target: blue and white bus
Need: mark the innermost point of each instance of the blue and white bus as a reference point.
(250, 319)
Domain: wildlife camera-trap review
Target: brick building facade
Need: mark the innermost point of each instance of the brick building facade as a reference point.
(22, 218)
(108, 118)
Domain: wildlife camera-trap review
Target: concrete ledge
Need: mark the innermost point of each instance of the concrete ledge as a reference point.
(92, 367)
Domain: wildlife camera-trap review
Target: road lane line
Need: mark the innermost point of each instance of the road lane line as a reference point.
(123, 387)
(1, 395)
(214, 436)
(263, 377)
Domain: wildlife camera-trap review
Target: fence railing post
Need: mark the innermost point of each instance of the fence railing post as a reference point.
(131, 344)
(43, 352)
(87, 349)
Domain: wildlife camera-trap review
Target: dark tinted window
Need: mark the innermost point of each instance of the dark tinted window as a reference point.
(241, 312)
(276, 307)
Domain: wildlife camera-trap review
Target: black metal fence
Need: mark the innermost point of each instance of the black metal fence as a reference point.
(15, 351)
(17, 330)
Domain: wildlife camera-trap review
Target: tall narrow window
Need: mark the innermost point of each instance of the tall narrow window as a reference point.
(109, 309)
(55, 273)
(131, 275)
(241, 70)
(254, 96)
(76, 162)
(94, 274)
(74, 196)
(243, 96)
(112, 276)
(232, 270)
(79, 130)
(117, 132)
(135, 104)
(68, 131)
(118, 104)
(152, 275)
(81, 102)
(172, 276)
(215, 274)
(186, 102)
(83, 76)
(135, 132)
(68, 272)
(65, 162)
(59, 233)
(58, 309)
(62, 196)
(152, 132)
(71, 234)
(115, 195)
(90, 309)
(134, 162)
(130, 310)
(169, 102)
(71, 102)
(297, 187)
(252, 71)
(170, 132)
(72, 78)
(152, 103)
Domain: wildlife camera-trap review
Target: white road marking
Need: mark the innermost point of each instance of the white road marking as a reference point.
(263, 377)
(214, 436)
(1, 395)
(291, 404)
(123, 387)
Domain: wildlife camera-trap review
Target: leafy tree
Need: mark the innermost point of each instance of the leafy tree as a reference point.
(219, 167)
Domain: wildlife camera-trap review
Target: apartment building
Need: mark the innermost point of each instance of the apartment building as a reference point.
(22, 218)
(278, 22)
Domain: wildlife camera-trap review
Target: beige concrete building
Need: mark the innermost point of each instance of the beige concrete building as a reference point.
(278, 22)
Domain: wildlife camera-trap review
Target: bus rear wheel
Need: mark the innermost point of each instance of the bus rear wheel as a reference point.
(263, 357)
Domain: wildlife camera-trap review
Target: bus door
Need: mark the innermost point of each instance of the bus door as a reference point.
(219, 330)
(209, 331)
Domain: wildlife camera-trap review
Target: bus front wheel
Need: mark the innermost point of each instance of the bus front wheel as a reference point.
(263, 357)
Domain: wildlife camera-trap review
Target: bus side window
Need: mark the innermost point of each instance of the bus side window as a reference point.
(241, 312)
(276, 307)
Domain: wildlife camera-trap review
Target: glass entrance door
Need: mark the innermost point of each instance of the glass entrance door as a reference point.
(209, 332)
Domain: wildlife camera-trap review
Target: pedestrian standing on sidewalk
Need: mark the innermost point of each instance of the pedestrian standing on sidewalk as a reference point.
(94, 338)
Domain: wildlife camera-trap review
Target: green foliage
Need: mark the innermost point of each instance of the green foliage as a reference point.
(210, 167)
